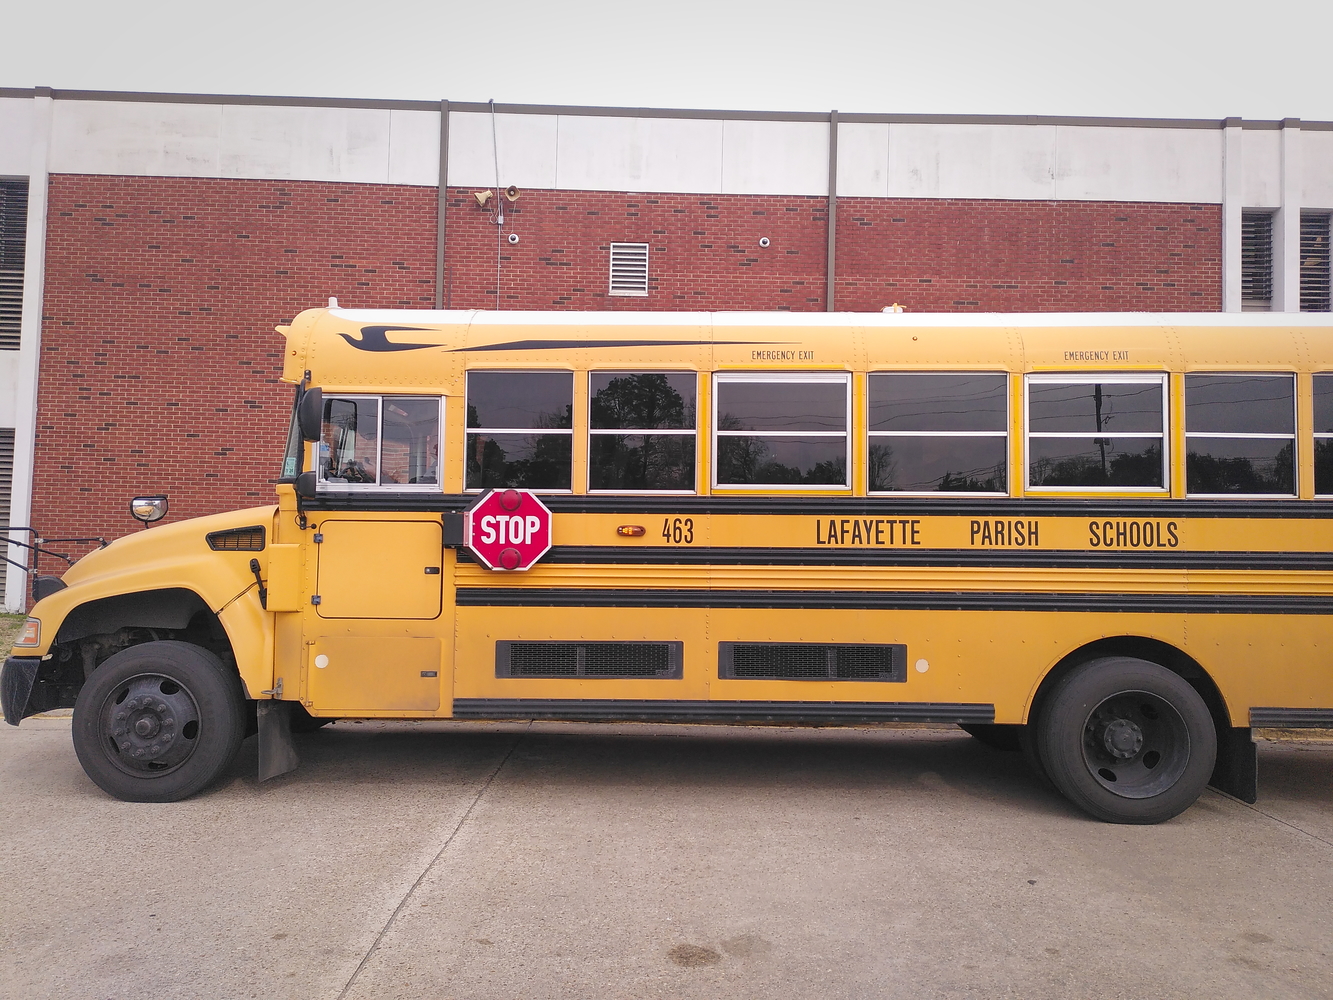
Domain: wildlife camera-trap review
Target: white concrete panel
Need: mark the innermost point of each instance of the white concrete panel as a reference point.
(9, 387)
(313, 144)
(762, 157)
(1317, 170)
(1138, 164)
(525, 145)
(863, 160)
(972, 161)
(15, 138)
(671, 155)
(1261, 168)
(115, 137)
(414, 148)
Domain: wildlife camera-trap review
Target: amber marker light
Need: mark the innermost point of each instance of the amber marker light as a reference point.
(631, 531)
(31, 634)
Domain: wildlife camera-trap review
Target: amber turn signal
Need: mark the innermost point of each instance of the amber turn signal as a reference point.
(631, 530)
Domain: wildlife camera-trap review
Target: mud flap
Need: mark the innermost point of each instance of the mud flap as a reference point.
(16, 680)
(277, 752)
(1237, 768)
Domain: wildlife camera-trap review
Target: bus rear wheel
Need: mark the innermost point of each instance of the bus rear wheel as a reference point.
(158, 722)
(1127, 740)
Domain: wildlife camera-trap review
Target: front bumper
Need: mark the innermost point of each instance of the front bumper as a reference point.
(16, 681)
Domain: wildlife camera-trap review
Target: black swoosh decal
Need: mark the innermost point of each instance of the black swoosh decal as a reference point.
(566, 345)
(373, 339)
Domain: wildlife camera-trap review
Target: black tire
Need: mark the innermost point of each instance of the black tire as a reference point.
(158, 722)
(1127, 740)
(997, 737)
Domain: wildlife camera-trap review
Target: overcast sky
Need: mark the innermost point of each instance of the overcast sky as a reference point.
(1140, 58)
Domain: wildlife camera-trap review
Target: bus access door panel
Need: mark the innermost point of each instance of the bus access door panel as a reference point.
(379, 569)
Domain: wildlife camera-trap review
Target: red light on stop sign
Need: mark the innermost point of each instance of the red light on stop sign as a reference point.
(507, 529)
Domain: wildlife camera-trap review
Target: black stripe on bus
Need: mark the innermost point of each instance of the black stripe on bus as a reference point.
(892, 600)
(983, 509)
(626, 710)
(662, 555)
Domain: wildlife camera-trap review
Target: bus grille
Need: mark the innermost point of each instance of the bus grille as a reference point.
(588, 659)
(811, 661)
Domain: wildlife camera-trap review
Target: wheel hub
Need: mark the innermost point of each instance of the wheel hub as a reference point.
(1122, 739)
(1135, 744)
(151, 723)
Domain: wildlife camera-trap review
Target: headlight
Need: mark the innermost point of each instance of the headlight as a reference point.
(31, 635)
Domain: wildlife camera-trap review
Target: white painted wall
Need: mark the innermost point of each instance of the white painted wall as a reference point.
(218, 140)
(680, 155)
(1317, 172)
(15, 136)
(9, 383)
(1262, 171)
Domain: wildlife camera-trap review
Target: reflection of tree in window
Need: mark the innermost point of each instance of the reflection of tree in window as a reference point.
(1127, 469)
(1237, 474)
(749, 460)
(641, 402)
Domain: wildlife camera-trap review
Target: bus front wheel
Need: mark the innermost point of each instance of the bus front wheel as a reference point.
(1127, 740)
(158, 722)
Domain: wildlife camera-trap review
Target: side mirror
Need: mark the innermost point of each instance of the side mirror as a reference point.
(148, 509)
(306, 486)
(310, 413)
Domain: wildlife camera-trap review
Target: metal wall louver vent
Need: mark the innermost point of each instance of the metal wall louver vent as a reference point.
(588, 659)
(249, 539)
(1256, 261)
(13, 236)
(811, 661)
(629, 268)
(1315, 263)
(6, 490)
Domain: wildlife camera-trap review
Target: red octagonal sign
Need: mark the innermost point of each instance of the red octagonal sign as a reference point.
(507, 529)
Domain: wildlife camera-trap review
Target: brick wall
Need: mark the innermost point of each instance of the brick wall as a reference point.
(938, 255)
(931, 255)
(159, 369)
(704, 251)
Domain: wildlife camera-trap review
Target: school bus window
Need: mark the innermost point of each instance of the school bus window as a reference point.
(1240, 434)
(937, 433)
(782, 431)
(1096, 432)
(1323, 435)
(641, 431)
(520, 430)
(379, 441)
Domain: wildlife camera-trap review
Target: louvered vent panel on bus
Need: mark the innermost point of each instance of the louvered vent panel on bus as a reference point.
(629, 268)
(812, 661)
(1314, 263)
(13, 233)
(588, 659)
(248, 539)
(6, 488)
(1256, 261)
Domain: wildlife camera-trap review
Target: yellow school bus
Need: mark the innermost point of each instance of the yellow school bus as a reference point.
(1105, 540)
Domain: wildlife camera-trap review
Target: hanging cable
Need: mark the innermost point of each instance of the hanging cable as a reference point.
(498, 217)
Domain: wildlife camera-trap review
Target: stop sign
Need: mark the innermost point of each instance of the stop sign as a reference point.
(507, 529)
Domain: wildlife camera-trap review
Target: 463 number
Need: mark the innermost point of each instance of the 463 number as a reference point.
(678, 530)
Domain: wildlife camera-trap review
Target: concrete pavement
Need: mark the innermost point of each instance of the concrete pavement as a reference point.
(453, 860)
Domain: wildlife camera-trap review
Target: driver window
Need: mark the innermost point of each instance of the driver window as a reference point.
(391, 441)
